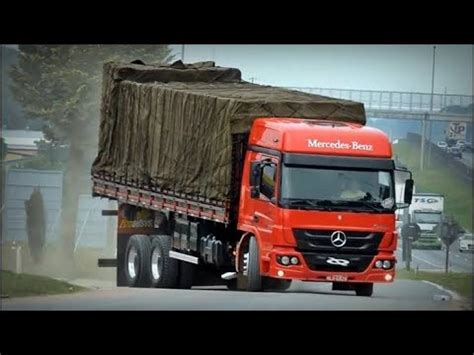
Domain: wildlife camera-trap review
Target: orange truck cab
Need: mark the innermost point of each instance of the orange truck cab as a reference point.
(318, 198)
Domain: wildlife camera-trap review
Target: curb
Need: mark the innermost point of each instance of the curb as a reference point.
(454, 295)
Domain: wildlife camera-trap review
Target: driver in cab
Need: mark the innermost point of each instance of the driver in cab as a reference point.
(352, 191)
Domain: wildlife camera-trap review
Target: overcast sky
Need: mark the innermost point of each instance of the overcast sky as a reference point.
(371, 67)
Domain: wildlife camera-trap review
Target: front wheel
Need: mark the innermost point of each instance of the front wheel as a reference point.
(250, 277)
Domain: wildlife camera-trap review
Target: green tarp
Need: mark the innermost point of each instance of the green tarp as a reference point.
(176, 136)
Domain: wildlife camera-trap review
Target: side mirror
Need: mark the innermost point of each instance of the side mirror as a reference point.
(255, 179)
(402, 205)
(409, 183)
(254, 191)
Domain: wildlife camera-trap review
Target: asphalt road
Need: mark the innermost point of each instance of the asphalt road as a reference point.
(467, 159)
(436, 259)
(401, 295)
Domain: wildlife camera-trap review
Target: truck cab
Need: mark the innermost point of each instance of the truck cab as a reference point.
(427, 211)
(319, 198)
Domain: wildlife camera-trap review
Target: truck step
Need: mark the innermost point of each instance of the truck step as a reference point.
(109, 212)
(184, 257)
(107, 263)
(229, 275)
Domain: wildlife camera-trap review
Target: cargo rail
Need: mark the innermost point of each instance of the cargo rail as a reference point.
(158, 201)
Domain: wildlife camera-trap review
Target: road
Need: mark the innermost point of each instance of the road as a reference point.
(467, 159)
(401, 295)
(435, 259)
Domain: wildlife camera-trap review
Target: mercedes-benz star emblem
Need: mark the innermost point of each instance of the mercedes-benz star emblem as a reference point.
(338, 239)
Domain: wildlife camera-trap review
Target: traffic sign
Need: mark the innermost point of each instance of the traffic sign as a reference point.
(411, 231)
(456, 130)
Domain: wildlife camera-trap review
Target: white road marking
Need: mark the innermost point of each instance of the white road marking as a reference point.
(453, 294)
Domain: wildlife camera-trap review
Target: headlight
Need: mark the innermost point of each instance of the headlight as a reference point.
(285, 260)
(387, 264)
(294, 260)
(378, 264)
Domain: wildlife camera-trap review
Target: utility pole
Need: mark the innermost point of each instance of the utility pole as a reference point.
(182, 53)
(430, 124)
(433, 78)
(446, 266)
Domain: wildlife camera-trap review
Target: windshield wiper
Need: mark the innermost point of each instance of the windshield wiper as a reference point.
(369, 205)
(307, 202)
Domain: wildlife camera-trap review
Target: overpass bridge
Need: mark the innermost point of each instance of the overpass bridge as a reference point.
(401, 105)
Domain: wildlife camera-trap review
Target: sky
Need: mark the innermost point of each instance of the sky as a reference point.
(364, 67)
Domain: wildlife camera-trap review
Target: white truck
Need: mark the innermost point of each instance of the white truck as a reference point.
(427, 210)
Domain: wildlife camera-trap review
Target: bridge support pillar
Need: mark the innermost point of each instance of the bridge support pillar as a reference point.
(423, 139)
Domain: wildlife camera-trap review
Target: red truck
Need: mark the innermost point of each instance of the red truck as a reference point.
(314, 201)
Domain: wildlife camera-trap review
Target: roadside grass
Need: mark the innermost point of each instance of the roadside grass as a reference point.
(460, 282)
(438, 178)
(22, 285)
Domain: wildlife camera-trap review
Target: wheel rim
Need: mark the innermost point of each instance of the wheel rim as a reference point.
(132, 262)
(245, 264)
(156, 263)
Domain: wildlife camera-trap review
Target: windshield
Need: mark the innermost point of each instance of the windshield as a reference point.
(323, 188)
(427, 217)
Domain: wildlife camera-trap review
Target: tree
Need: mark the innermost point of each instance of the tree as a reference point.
(61, 84)
(35, 224)
(3, 148)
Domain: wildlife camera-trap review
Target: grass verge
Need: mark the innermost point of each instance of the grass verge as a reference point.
(460, 282)
(22, 285)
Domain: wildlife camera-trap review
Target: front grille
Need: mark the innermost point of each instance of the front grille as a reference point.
(319, 262)
(358, 243)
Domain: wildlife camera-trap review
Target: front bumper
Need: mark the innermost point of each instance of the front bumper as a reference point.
(467, 247)
(427, 243)
(306, 272)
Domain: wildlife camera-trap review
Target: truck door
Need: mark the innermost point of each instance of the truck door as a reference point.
(264, 207)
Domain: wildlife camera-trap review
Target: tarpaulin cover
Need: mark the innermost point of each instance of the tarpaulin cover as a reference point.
(177, 136)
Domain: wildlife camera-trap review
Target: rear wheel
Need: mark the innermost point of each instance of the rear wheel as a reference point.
(137, 261)
(164, 269)
(364, 289)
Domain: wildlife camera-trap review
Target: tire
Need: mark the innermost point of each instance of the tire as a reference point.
(364, 289)
(254, 279)
(272, 284)
(163, 268)
(137, 261)
(186, 275)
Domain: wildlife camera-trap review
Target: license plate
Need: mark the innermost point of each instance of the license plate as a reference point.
(340, 278)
